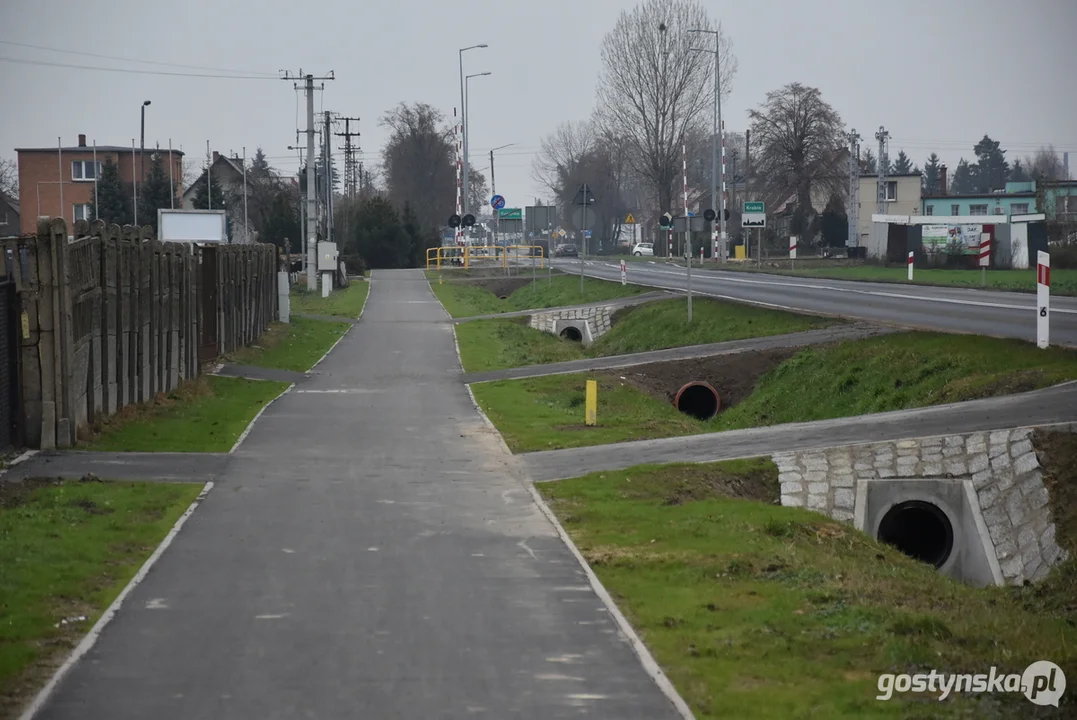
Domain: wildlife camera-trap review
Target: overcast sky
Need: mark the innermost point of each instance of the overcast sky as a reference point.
(937, 73)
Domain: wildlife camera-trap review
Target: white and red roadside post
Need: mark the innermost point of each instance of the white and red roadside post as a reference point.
(793, 242)
(985, 256)
(624, 272)
(1043, 298)
(910, 265)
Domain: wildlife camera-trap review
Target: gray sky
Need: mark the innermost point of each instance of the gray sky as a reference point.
(937, 73)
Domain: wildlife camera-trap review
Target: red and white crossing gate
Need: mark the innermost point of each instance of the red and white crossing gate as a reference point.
(1043, 298)
(624, 272)
(985, 250)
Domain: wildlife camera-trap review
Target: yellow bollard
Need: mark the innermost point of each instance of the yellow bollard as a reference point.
(592, 402)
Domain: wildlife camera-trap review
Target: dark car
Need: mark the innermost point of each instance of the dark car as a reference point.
(566, 251)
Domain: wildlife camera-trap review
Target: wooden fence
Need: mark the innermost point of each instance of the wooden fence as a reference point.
(113, 317)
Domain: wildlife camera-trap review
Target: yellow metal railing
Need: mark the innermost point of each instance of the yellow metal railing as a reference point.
(468, 256)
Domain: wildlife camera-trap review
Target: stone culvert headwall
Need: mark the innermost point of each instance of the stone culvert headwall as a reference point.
(597, 319)
(1001, 465)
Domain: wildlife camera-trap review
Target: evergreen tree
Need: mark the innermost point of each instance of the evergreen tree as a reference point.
(154, 193)
(379, 235)
(114, 202)
(867, 163)
(991, 170)
(902, 165)
(931, 180)
(202, 197)
(834, 223)
(963, 182)
(1018, 172)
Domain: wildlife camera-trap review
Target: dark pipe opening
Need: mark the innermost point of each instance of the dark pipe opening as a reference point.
(698, 399)
(572, 333)
(504, 297)
(920, 530)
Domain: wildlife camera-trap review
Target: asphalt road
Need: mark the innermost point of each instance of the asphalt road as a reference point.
(1041, 407)
(371, 552)
(961, 310)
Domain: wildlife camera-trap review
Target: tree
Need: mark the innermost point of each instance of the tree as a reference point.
(281, 224)
(653, 88)
(1045, 165)
(417, 163)
(931, 182)
(114, 201)
(202, 197)
(9, 178)
(800, 139)
(991, 170)
(154, 193)
(868, 163)
(1018, 172)
(561, 152)
(418, 238)
(834, 222)
(963, 182)
(378, 236)
(478, 192)
(902, 165)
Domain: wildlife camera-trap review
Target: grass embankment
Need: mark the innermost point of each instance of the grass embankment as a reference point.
(346, 303)
(498, 344)
(205, 415)
(760, 611)
(893, 372)
(69, 548)
(1063, 282)
(468, 300)
(293, 346)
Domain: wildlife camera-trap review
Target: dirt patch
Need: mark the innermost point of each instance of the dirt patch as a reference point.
(14, 493)
(1057, 453)
(502, 287)
(733, 376)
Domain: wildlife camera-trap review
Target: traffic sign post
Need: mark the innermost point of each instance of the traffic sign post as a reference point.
(584, 218)
(1043, 299)
(497, 202)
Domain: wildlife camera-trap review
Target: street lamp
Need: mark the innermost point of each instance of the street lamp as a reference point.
(141, 158)
(463, 111)
(717, 195)
(467, 101)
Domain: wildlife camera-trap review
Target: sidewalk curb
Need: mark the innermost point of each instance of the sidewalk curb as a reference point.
(88, 641)
(250, 426)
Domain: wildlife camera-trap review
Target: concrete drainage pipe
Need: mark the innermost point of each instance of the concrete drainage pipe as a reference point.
(698, 399)
(572, 333)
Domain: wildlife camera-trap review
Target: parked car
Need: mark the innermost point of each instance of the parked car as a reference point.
(566, 251)
(643, 249)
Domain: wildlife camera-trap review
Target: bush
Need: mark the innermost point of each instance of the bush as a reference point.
(354, 264)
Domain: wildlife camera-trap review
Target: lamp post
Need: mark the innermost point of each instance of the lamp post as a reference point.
(463, 112)
(141, 158)
(467, 100)
(717, 187)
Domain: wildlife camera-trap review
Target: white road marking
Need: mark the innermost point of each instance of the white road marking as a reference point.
(250, 426)
(371, 549)
(558, 677)
(270, 617)
(287, 550)
(523, 544)
(570, 658)
(157, 604)
(91, 637)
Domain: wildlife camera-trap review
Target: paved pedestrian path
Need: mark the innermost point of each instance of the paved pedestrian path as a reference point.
(369, 552)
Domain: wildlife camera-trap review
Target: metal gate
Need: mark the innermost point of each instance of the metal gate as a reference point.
(9, 364)
(208, 348)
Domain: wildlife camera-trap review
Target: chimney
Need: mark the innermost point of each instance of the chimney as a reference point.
(942, 180)
(215, 156)
(82, 140)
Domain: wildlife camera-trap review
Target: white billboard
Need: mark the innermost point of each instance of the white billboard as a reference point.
(954, 239)
(193, 226)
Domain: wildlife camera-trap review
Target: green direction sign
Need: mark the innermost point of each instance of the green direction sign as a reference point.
(510, 214)
(754, 207)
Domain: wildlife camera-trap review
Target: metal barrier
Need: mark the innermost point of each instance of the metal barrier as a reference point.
(465, 257)
(522, 253)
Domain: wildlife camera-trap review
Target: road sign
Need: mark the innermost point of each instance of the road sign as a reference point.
(751, 220)
(985, 249)
(587, 234)
(497, 202)
(584, 196)
(630, 220)
(583, 218)
(754, 207)
(511, 214)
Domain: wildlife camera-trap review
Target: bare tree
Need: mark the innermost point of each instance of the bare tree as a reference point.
(1045, 165)
(800, 140)
(561, 152)
(653, 87)
(478, 192)
(9, 178)
(417, 162)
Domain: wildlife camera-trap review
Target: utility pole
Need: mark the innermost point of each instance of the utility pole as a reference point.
(349, 157)
(328, 169)
(853, 211)
(312, 202)
(883, 167)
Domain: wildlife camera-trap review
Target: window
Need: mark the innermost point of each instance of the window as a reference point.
(977, 209)
(955, 209)
(891, 191)
(1019, 209)
(85, 170)
(82, 211)
(929, 210)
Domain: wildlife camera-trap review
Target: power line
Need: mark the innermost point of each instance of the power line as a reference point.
(130, 71)
(134, 60)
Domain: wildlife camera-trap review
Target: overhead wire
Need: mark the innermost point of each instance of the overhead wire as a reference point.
(134, 60)
(131, 71)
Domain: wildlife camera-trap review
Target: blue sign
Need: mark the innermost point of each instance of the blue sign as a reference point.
(497, 202)
(587, 233)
